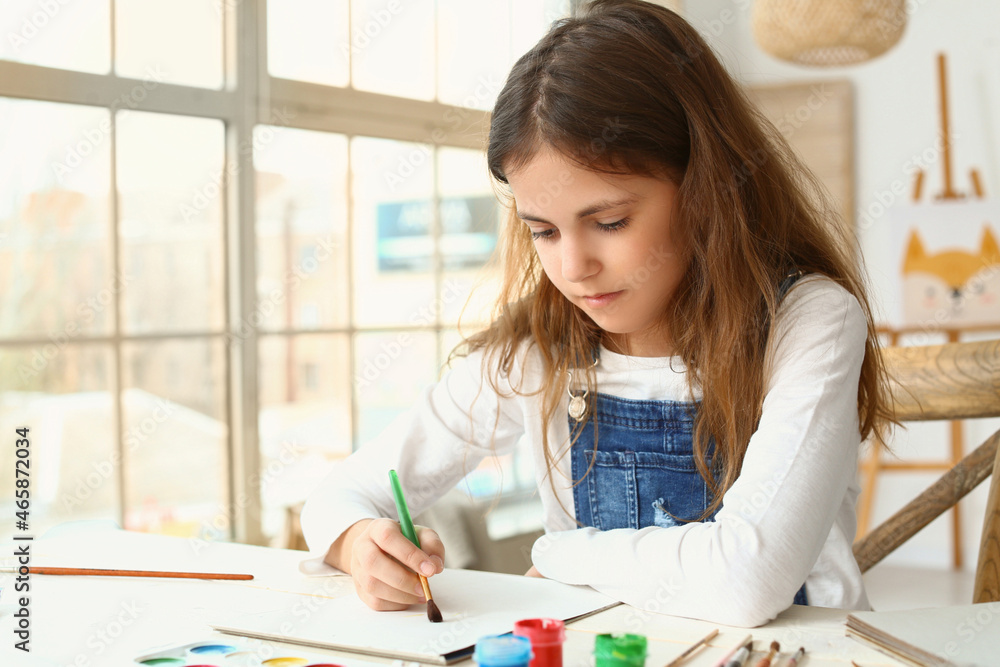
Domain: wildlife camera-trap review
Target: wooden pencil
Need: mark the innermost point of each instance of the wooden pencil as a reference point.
(87, 571)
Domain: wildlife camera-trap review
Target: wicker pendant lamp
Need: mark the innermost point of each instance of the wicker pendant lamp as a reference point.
(828, 32)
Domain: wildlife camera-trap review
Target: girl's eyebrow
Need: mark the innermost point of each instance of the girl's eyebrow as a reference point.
(590, 210)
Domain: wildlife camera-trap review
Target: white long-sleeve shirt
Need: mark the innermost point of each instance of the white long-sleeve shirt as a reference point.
(788, 518)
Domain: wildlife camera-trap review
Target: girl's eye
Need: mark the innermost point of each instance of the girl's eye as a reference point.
(615, 226)
(609, 227)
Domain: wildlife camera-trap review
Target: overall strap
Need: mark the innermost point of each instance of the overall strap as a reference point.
(787, 282)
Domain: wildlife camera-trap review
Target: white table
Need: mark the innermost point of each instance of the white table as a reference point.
(90, 621)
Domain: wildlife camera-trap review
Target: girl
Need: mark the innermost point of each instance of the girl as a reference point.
(682, 337)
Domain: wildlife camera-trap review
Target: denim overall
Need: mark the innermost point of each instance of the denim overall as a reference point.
(643, 468)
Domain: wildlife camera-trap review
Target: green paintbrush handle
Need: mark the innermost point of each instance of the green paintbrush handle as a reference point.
(405, 523)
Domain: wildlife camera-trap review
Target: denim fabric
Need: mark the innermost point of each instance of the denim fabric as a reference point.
(643, 470)
(786, 284)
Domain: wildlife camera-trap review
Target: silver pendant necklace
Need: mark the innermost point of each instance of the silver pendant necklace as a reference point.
(578, 402)
(577, 405)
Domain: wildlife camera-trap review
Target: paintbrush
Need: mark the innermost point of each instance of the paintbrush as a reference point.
(406, 526)
(88, 571)
(739, 655)
(725, 659)
(794, 660)
(691, 649)
(766, 660)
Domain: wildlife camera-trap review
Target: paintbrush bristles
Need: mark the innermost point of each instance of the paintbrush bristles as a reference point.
(433, 613)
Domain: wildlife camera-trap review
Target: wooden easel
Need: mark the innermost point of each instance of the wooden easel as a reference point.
(873, 465)
(949, 193)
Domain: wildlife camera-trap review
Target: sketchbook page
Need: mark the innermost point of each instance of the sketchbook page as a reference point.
(472, 603)
(959, 635)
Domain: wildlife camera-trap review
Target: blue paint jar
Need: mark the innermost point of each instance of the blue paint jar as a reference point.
(503, 651)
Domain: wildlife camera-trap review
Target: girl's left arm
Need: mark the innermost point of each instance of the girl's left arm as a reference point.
(791, 507)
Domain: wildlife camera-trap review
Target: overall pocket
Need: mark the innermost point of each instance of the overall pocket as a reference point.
(628, 489)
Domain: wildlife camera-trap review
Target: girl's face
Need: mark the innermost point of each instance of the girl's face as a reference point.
(604, 241)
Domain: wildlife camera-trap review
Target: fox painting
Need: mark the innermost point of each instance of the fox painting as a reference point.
(952, 287)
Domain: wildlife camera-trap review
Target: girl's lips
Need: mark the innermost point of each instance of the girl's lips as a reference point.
(602, 300)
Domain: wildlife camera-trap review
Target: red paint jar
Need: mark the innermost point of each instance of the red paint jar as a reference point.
(547, 636)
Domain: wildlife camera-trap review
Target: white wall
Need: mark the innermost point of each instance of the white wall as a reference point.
(896, 123)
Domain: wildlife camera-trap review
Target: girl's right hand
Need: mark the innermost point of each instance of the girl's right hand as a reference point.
(382, 562)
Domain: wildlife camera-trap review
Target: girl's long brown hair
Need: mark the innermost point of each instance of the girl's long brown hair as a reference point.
(630, 87)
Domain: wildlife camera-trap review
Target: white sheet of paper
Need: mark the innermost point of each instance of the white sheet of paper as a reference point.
(317, 567)
(473, 604)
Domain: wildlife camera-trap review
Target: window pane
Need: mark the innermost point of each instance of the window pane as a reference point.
(478, 43)
(493, 475)
(508, 474)
(174, 416)
(55, 269)
(393, 244)
(448, 339)
(530, 19)
(61, 394)
(69, 35)
(473, 52)
(301, 229)
(389, 372)
(469, 215)
(169, 187)
(171, 41)
(314, 50)
(393, 47)
(305, 417)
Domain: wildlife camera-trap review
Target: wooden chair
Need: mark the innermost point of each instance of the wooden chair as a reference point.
(876, 463)
(952, 381)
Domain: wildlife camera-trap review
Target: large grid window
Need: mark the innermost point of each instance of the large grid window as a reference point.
(227, 259)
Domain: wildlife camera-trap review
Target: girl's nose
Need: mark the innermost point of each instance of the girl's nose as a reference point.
(578, 263)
